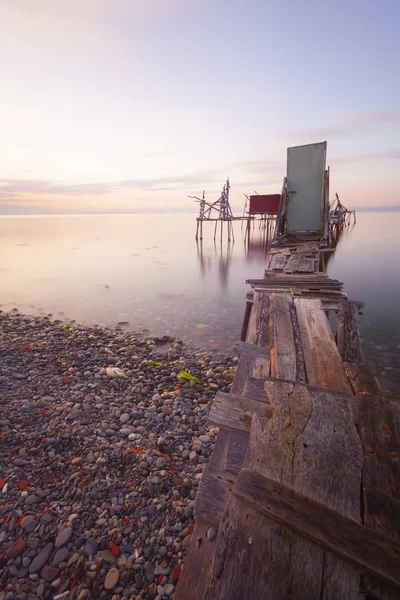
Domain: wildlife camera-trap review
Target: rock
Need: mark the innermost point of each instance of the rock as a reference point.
(108, 556)
(124, 418)
(111, 578)
(149, 571)
(169, 589)
(29, 524)
(60, 556)
(175, 574)
(29, 500)
(161, 462)
(40, 560)
(17, 547)
(211, 533)
(205, 439)
(63, 537)
(49, 574)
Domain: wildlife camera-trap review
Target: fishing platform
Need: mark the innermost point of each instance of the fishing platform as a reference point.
(301, 498)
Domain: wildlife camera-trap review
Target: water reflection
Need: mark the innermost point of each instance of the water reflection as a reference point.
(147, 270)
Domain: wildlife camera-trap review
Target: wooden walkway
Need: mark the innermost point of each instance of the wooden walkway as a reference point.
(303, 488)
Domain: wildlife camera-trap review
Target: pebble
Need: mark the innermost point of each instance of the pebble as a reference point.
(49, 573)
(41, 558)
(106, 465)
(111, 579)
(63, 537)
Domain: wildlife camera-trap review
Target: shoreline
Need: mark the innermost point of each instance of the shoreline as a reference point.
(99, 472)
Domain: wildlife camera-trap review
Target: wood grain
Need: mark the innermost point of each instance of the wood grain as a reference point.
(361, 378)
(343, 536)
(322, 361)
(213, 493)
(295, 439)
(231, 411)
(283, 352)
(257, 331)
(348, 334)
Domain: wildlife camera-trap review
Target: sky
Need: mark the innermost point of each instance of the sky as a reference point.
(131, 105)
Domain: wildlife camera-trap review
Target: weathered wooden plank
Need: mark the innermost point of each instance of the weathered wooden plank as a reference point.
(213, 494)
(306, 265)
(283, 352)
(255, 350)
(262, 367)
(218, 456)
(292, 264)
(254, 388)
(380, 436)
(257, 332)
(295, 439)
(238, 442)
(246, 319)
(278, 262)
(322, 361)
(300, 364)
(361, 378)
(383, 513)
(348, 334)
(196, 573)
(243, 371)
(343, 536)
(231, 411)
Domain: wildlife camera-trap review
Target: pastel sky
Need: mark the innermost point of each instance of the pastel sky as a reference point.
(132, 105)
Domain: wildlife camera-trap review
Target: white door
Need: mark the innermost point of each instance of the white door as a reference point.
(305, 183)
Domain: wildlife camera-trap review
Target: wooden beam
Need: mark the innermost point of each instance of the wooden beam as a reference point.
(213, 493)
(361, 378)
(257, 332)
(323, 365)
(348, 334)
(291, 447)
(283, 352)
(344, 537)
(231, 411)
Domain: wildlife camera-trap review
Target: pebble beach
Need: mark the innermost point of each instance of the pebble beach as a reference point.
(103, 439)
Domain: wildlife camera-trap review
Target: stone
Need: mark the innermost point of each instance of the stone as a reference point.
(40, 560)
(49, 574)
(32, 543)
(124, 418)
(29, 524)
(29, 500)
(211, 533)
(169, 589)
(149, 571)
(161, 462)
(111, 579)
(60, 556)
(205, 439)
(63, 537)
(108, 556)
(17, 547)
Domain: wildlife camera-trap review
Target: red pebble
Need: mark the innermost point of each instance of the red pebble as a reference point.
(175, 573)
(24, 348)
(114, 548)
(23, 484)
(66, 379)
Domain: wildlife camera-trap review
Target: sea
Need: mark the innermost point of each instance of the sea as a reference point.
(147, 273)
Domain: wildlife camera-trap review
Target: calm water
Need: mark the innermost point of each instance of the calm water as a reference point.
(148, 272)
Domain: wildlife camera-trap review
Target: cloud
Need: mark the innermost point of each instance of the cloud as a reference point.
(346, 125)
(392, 154)
(14, 188)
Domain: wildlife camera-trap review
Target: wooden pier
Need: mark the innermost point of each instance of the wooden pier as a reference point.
(301, 498)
